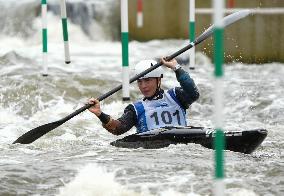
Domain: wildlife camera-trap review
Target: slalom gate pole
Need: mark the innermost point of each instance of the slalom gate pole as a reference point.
(231, 4)
(139, 13)
(219, 187)
(44, 36)
(124, 42)
(65, 31)
(191, 33)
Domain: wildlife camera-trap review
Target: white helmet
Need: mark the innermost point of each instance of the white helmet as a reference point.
(145, 64)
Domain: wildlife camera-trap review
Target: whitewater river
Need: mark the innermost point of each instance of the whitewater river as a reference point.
(77, 159)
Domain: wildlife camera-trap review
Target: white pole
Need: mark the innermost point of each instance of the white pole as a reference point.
(44, 36)
(65, 31)
(124, 41)
(219, 187)
(192, 33)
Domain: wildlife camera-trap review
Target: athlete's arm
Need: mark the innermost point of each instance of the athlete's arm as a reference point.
(188, 92)
(116, 127)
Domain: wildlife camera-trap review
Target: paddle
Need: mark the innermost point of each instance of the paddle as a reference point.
(36, 133)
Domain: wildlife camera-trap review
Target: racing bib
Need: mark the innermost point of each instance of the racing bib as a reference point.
(153, 114)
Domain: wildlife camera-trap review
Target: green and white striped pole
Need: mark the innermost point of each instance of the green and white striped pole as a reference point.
(65, 31)
(44, 36)
(219, 186)
(191, 33)
(124, 42)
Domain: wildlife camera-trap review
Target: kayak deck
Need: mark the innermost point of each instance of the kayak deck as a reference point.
(238, 141)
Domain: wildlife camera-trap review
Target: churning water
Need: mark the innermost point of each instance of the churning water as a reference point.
(77, 159)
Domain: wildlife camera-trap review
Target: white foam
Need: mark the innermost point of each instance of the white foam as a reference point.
(67, 137)
(29, 151)
(95, 180)
(240, 192)
(8, 116)
(10, 122)
(171, 192)
(9, 161)
(54, 32)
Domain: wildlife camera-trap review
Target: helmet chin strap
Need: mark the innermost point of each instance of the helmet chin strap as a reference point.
(158, 84)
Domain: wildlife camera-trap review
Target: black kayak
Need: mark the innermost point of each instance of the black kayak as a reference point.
(239, 141)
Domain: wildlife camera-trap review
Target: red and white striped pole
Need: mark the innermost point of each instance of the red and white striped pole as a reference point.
(139, 13)
(231, 4)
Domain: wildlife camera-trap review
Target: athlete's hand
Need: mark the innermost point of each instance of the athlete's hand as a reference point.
(170, 64)
(96, 109)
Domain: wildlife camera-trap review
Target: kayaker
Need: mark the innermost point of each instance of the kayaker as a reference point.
(159, 108)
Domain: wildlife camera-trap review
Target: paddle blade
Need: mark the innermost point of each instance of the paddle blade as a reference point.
(230, 19)
(36, 133)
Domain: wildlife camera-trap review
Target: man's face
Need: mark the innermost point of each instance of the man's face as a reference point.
(147, 86)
